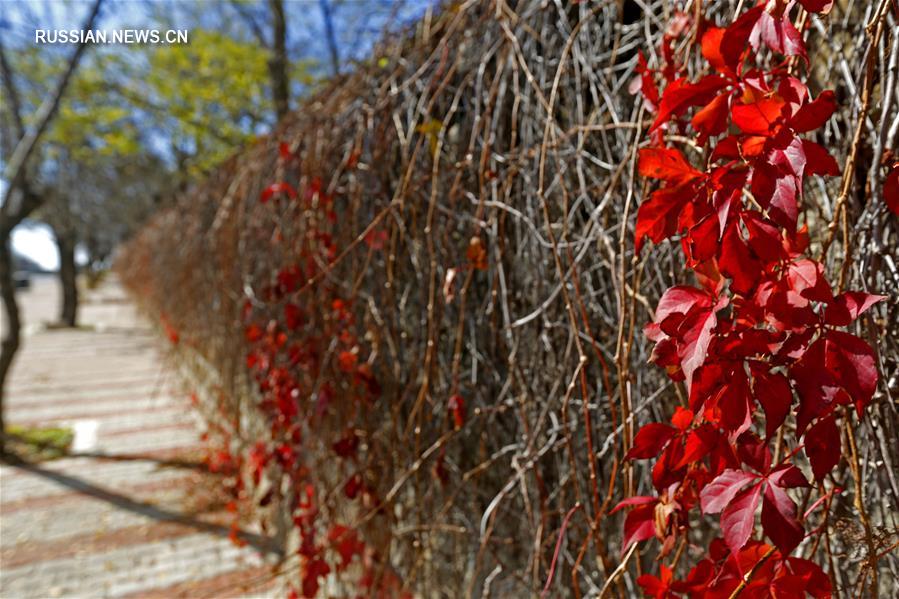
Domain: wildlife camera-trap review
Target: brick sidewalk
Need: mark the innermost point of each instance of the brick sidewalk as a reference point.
(125, 517)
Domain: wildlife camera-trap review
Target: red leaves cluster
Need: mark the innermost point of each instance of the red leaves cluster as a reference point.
(310, 366)
(760, 337)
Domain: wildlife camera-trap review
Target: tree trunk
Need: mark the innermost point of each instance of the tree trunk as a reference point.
(68, 280)
(10, 342)
(330, 35)
(11, 215)
(278, 64)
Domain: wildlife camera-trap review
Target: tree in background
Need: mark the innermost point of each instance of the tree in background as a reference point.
(20, 199)
(142, 122)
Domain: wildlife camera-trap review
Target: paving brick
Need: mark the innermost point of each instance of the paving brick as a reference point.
(121, 519)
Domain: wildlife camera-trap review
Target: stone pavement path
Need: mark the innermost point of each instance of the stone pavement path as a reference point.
(132, 512)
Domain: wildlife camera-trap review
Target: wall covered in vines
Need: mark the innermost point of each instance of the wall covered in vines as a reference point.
(571, 299)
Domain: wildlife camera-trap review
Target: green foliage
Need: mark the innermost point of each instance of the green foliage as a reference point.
(196, 102)
(212, 91)
(38, 444)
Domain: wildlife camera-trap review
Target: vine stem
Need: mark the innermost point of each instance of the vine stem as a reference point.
(855, 470)
(621, 567)
(552, 566)
(747, 578)
(874, 30)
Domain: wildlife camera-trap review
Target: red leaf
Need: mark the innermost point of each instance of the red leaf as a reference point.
(314, 570)
(658, 588)
(667, 164)
(779, 519)
(353, 486)
(647, 85)
(818, 160)
(657, 216)
(848, 306)
(735, 404)
(765, 239)
(456, 408)
(852, 364)
(347, 544)
(814, 385)
(822, 445)
(681, 95)
(719, 493)
(276, 188)
(293, 316)
(837, 367)
(376, 238)
(735, 41)
(891, 190)
(346, 360)
(687, 315)
(699, 443)
(778, 34)
(822, 7)
(253, 333)
(639, 525)
(737, 262)
(806, 278)
(348, 445)
(650, 440)
(696, 341)
(759, 117)
(634, 501)
(774, 393)
(712, 119)
(711, 49)
(738, 519)
(753, 452)
(682, 418)
(788, 477)
(814, 114)
(816, 581)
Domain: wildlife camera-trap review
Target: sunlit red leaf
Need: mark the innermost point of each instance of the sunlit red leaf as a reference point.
(758, 117)
(681, 95)
(711, 49)
(667, 164)
(657, 216)
(712, 119)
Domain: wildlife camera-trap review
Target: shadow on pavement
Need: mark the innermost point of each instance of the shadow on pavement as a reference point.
(261, 543)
